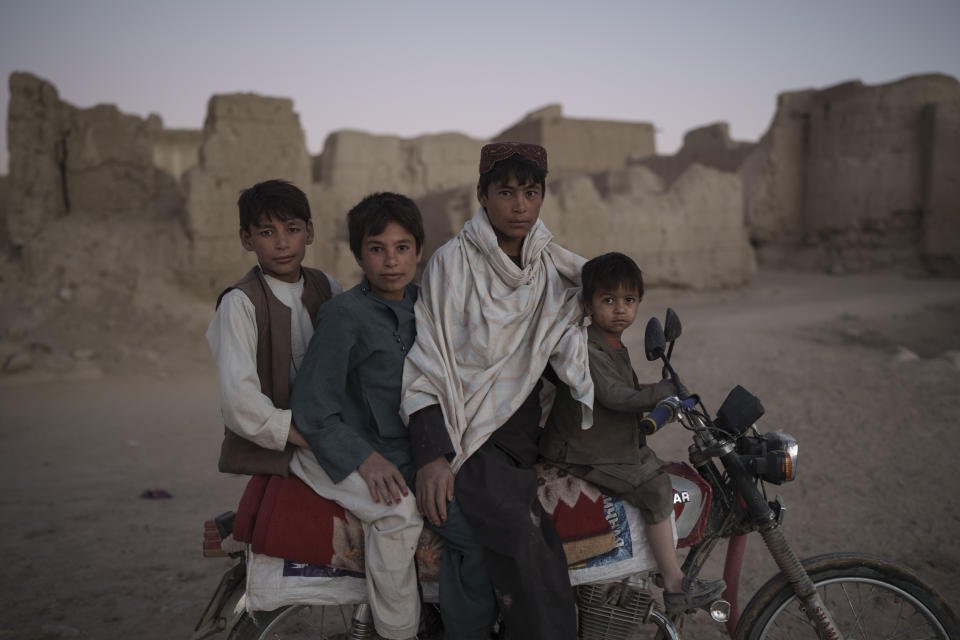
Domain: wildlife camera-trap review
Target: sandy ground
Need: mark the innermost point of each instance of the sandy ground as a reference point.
(863, 370)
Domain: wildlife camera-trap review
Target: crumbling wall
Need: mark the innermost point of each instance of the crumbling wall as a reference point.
(358, 163)
(354, 164)
(65, 160)
(690, 234)
(851, 177)
(710, 146)
(444, 214)
(864, 157)
(4, 235)
(941, 188)
(108, 160)
(773, 175)
(85, 200)
(863, 178)
(578, 146)
(846, 177)
(36, 144)
(176, 150)
(247, 138)
(92, 229)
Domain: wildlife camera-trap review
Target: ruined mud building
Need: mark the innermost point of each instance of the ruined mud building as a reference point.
(849, 178)
(852, 177)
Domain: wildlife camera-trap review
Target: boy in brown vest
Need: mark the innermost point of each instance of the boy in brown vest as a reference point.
(262, 327)
(613, 454)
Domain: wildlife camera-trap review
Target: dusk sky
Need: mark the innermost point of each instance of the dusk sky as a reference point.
(409, 68)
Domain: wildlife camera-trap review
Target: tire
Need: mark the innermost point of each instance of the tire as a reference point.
(294, 623)
(869, 598)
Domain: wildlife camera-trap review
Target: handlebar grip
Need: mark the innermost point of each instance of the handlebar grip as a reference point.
(654, 421)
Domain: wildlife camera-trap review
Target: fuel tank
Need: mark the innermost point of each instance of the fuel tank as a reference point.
(691, 502)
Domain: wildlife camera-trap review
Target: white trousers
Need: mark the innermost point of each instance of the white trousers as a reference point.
(390, 535)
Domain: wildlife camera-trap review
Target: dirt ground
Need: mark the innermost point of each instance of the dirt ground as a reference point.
(863, 370)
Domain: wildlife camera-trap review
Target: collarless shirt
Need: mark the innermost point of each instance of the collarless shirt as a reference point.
(346, 398)
(232, 336)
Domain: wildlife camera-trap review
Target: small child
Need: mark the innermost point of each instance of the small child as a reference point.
(613, 454)
(346, 403)
(261, 329)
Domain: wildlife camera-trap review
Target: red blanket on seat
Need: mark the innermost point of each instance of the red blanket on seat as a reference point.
(284, 518)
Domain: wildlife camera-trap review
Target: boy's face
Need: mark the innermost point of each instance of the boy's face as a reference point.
(279, 244)
(513, 209)
(389, 260)
(613, 310)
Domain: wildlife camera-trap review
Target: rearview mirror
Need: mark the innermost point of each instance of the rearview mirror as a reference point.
(653, 341)
(671, 326)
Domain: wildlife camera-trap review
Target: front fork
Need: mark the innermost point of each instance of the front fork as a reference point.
(782, 553)
(802, 585)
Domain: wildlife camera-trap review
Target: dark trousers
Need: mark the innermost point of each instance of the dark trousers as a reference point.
(467, 603)
(497, 492)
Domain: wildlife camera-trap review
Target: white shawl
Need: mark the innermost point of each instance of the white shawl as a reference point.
(486, 330)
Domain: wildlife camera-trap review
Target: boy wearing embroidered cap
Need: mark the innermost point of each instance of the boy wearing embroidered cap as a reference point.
(499, 307)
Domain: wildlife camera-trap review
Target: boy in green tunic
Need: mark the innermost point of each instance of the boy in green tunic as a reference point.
(346, 398)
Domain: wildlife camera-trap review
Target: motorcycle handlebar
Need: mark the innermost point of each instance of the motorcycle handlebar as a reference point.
(664, 412)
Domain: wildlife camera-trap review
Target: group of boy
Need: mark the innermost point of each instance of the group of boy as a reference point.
(420, 406)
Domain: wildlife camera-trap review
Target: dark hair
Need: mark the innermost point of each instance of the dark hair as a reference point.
(276, 198)
(516, 166)
(372, 215)
(609, 271)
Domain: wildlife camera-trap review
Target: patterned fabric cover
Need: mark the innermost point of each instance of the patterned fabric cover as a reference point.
(283, 518)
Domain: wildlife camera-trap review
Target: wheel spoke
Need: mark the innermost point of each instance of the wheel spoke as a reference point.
(854, 610)
(869, 599)
(297, 623)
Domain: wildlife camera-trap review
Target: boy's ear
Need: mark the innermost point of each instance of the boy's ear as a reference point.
(309, 230)
(481, 197)
(245, 239)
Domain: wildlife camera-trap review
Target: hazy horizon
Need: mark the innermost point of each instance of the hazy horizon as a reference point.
(431, 67)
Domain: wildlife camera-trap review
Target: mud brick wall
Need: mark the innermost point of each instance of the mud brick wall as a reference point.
(578, 146)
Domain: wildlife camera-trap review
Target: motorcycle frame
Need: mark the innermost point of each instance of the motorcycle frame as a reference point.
(740, 507)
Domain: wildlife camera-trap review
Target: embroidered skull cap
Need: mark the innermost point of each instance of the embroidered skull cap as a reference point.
(494, 152)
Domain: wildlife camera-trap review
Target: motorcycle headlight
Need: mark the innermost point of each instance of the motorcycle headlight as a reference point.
(777, 463)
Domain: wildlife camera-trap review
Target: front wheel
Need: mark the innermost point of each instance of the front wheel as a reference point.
(295, 623)
(868, 597)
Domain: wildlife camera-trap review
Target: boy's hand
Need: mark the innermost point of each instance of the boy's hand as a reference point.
(294, 437)
(434, 490)
(383, 478)
(666, 388)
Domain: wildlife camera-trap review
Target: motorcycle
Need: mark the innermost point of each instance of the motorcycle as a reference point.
(721, 496)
